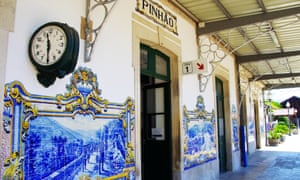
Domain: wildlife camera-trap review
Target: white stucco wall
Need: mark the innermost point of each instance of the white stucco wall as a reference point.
(30, 15)
(190, 82)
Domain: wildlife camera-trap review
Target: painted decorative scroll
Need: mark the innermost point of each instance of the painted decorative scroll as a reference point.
(199, 135)
(76, 135)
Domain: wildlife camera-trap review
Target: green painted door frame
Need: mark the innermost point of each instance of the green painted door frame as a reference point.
(221, 125)
(155, 115)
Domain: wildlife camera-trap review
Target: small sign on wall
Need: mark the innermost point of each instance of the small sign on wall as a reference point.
(198, 66)
(158, 133)
(187, 67)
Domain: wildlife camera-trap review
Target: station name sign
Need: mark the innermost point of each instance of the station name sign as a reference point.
(158, 14)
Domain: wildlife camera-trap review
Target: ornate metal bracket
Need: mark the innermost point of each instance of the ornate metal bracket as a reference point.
(214, 54)
(91, 33)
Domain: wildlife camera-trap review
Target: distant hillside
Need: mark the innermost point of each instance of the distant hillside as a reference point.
(49, 128)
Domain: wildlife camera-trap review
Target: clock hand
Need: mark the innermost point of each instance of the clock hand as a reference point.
(48, 48)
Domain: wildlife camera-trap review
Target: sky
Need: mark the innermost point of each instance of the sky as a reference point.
(280, 95)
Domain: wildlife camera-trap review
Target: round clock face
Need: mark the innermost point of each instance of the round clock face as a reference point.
(48, 45)
(53, 50)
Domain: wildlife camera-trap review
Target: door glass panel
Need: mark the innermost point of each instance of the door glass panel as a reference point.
(159, 97)
(144, 59)
(155, 100)
(220, 108)
(161, 65)
(221, 127)
(157, 81)
(150, 101)
(157, 127)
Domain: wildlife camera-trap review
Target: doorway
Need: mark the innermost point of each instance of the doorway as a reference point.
(257, 125)
(221, 125)
(155, 114)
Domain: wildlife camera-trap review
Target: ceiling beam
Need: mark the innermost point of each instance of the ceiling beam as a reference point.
(260, 57)
(273, 76)
(211, 27)
(184, 10)
(281, 86)
(239, 29)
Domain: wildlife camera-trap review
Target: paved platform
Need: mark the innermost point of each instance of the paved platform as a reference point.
(280, 162)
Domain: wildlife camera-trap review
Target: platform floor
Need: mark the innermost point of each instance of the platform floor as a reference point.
(280, 162)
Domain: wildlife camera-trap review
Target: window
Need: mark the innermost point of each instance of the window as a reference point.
(154, 63)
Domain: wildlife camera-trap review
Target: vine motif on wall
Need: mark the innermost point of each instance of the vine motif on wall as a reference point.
(78, 135)
(199, 135)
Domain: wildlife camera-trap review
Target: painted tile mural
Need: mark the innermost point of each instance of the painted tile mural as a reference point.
(78, 135)
(235, 129)
(199, 135)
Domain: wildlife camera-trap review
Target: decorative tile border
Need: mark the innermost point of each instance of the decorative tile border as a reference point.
(235, 130)
(76, 135)
(199, 135)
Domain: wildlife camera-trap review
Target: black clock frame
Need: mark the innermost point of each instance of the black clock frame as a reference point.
(66, 64)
